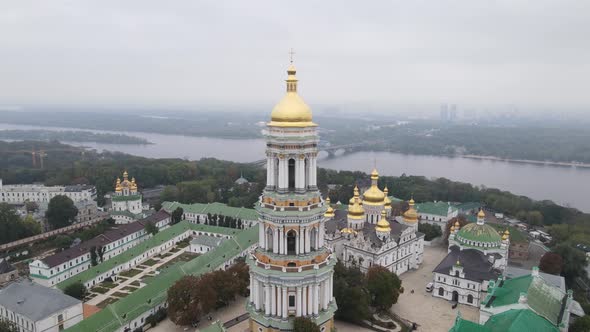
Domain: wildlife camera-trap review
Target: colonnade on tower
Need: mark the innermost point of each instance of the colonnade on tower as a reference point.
(291, 270)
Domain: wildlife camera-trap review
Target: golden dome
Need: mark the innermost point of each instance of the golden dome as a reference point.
(355, 194)
(348, 231)
(452, 228)
(118, 185)
(330, 211)
(125, 175)
(481, 214)
(386, 199)
(506, 235)
(356, 210)
(457, 224)
(411, 215)
(374, 195)
(383, 224)
(291, 111)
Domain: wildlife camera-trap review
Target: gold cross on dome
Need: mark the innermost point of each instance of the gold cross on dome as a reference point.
(291, 53)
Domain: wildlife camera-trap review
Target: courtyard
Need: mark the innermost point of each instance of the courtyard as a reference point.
(430, 313)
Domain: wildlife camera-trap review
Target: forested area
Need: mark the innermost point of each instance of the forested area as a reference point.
(72, 136)
(432, 138)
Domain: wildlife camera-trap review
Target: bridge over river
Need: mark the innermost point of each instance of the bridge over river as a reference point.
(332, 149)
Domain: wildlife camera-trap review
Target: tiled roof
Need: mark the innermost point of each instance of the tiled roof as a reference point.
(213, 208)
(156, 217)
(112, 235)
(475, 264)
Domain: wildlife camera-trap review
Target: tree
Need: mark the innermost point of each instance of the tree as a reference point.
(62, 242)
(551, 263)
(430, 231)
(462, 222)
(574, 262)
(177, 215)
(304, 324)
(76, 290)
(12, 228)
(189, 299)
(100, 252)
(534, 218)
(8, 326)
(61, 212)
(581, 324)
(93, 256)
(350, 293)
(384, 287)
(150, 228)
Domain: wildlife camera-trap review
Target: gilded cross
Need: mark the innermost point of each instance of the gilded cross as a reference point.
(291, 53)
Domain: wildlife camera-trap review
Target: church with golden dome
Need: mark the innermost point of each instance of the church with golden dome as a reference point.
(366, 234)
(126, 202)
(476, 254)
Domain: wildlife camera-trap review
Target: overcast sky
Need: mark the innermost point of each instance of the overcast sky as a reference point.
(527, 53)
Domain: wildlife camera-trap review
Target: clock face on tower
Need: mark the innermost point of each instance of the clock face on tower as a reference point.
(291, 269)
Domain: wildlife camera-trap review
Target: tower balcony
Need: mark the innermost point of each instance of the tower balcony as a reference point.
(315, 260)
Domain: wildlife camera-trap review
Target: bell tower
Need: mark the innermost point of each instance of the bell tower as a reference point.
(291, 270)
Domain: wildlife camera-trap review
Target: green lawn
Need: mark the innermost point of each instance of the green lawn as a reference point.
(184, 257)
(131, 273)
(135, 283)
(108, 284)
(150, 262)
(182, 244)
(129, 289)
(98, 289)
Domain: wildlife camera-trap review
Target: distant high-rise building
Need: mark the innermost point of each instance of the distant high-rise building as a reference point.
(444, 112)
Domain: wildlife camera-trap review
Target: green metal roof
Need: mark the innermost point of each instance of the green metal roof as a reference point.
(508, 292)
(464, 325)
(213, 208)
(215, 327)
(128, 308)
(479, 233)
(468, 206)
(522, 320)
(138, 250)
(121, 198)
(435, 208)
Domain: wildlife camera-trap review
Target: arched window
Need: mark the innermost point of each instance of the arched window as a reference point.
(313, 235)
(441, 291)
(269, 239)
(291, 173)
(469, 298)
(291, 241)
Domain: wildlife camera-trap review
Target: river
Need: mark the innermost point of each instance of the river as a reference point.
(565, 185)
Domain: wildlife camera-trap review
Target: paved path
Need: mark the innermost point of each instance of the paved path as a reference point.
(432, 314)
(124, 283)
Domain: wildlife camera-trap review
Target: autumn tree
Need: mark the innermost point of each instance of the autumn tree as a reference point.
(8, 326)
(184, 305)
(462, 222)
(61, 212)
(384, 287)
(574, 262)
(551, 263)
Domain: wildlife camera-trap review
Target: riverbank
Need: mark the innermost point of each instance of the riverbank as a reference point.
(527, 161)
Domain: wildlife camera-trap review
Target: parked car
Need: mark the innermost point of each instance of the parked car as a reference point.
(429, 287)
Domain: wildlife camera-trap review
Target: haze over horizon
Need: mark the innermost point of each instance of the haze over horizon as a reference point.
(524, 53)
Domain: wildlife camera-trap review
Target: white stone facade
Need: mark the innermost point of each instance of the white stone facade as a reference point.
(38, 193)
